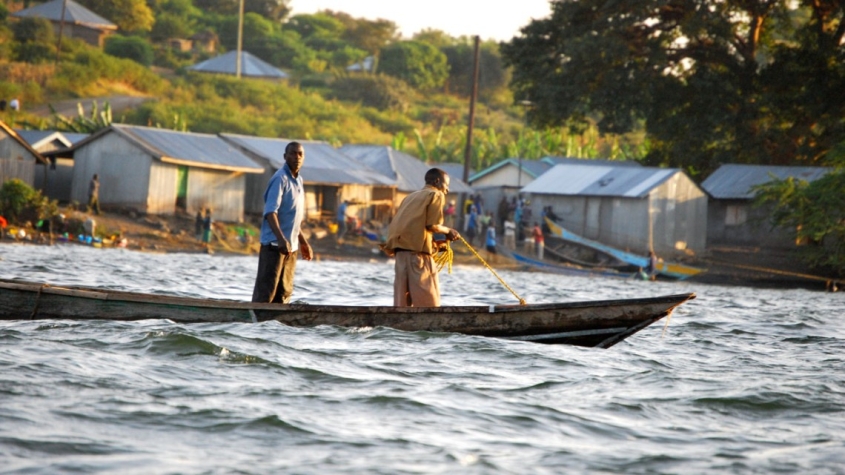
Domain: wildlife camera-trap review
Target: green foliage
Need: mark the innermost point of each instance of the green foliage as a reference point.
(89, 66)
(380, 91)
(128, 15)
(34, 40)
(20, 202)
(713, 81)
(4, 12)
(169, 25)
(419, 64)
(35, 52)
(33, 30)
(82, 124)
(492, 75)
(130, 47)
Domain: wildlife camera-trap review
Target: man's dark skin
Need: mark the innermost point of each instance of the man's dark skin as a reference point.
(294, 158)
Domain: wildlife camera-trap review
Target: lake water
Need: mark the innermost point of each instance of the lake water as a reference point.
(743, 381)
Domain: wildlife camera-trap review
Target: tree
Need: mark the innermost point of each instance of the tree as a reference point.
(816, 210)
(712, 81)
(130, 47)
(419, 64)
(492, 74)
(128, 15)
(275, 10)
(368, 35)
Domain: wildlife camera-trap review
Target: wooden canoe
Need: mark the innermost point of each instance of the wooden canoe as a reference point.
(601, 323)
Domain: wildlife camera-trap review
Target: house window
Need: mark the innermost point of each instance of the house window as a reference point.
(735, 215)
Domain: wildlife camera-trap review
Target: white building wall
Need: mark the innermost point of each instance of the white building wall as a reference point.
(508, 175)
(222, 191)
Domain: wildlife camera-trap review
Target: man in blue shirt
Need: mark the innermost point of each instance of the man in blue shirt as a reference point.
(281, 235)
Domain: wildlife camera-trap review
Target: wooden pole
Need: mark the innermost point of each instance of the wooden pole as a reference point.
(61, 31)
(468, 149)
(240, 39)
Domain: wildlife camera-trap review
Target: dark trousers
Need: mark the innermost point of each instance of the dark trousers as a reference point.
(274, 282)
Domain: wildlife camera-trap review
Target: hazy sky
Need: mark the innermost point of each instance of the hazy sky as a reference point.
(490, 19)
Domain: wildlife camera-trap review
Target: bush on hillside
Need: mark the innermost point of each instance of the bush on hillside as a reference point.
(35, 52)
(130, 47)
(20, 202)
(382, 92)
(33, 30)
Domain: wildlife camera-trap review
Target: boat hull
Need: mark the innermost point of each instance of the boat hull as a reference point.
(601, 323)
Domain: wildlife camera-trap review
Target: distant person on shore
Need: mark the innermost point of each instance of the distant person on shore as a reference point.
(2, 105)
(15, 104)
(539, 240)
(340, 220)
(410, 239)
(490, 243)
(206, 228)
(198, 225)
(510, 233)
(651, 269)
(281, 233)
(94, 194)
(449, 213)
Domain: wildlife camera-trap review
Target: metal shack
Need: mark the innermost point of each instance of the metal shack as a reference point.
(55, 177)
(732, 218)
(631, 208)
(158, 171)
(72, 20)
(17, 157)
(330, 177)
(406, 172)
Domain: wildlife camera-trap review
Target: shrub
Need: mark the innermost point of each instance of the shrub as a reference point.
(381, 92)
(20, 202)
(31, 52)
(33, 30)
(130, 47)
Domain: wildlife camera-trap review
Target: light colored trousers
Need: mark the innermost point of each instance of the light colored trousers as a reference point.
(416, 283)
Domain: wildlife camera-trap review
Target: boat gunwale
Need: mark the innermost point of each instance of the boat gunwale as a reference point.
(136, 297)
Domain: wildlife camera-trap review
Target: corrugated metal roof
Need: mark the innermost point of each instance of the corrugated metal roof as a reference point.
(323, 163)
(250, 66)
(38, 138)
(75, 138)
(17, 138)
(597, 180)
(455, 170)
(407, 172)
(191, 149)
(74, 13)
(588, 161)
(534, 168)
(735, 181)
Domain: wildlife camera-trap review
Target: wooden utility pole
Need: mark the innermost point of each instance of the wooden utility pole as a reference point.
(468, 149)
(240, 39)
(61, 31)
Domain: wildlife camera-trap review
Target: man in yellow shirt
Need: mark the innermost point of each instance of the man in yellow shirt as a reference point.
(410, 238)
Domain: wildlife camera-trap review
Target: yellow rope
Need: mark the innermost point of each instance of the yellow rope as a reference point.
(521, 300)
(444, 258)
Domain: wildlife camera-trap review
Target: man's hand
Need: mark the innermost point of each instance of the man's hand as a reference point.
(453, 235)
(305, 249)
(284, 246)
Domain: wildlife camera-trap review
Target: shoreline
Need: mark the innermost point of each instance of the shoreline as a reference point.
(176, 234)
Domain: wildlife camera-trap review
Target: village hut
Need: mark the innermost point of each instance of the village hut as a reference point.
(17, 158)
(732, 217)
(158, 171)
(403, 170)
(79, 22)
(251, 66)
(54, 178)
(330, 178)
(631, 208)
